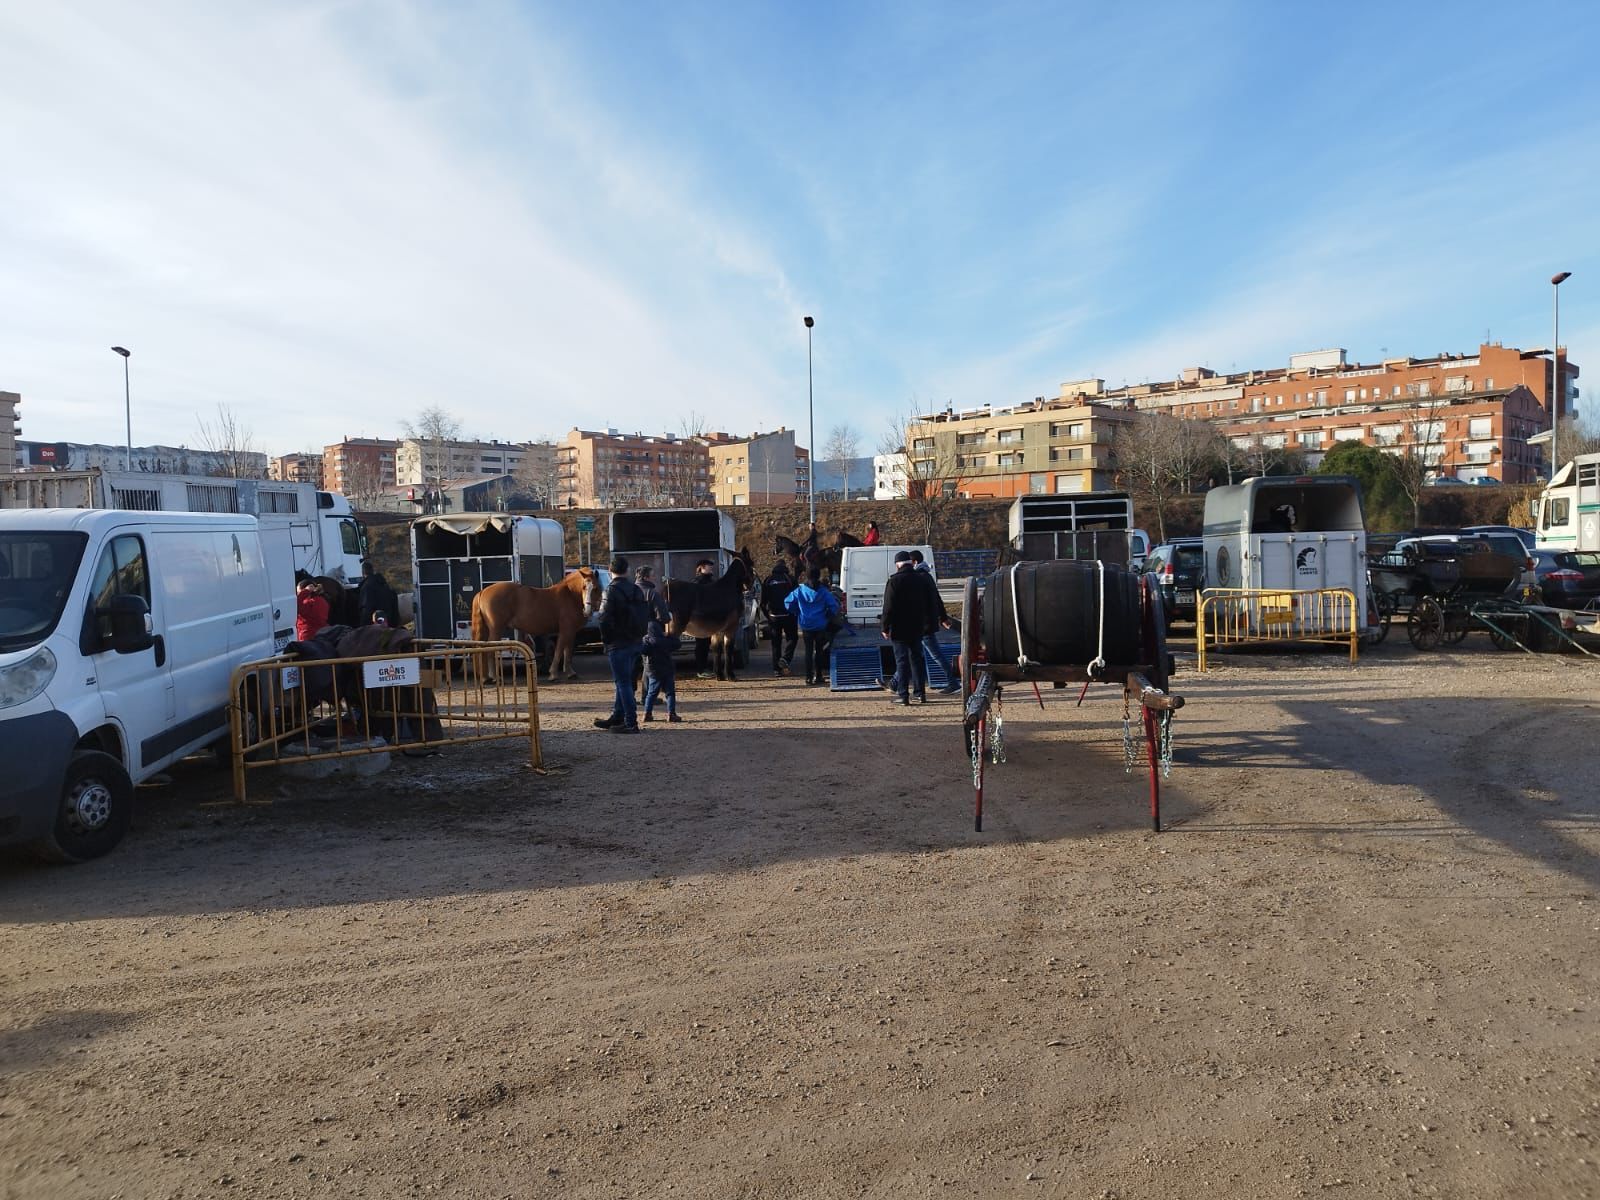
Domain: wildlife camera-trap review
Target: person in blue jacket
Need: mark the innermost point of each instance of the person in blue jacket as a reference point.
(813, 605)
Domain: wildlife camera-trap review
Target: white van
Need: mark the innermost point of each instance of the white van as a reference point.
(119, 632)
(863, 572)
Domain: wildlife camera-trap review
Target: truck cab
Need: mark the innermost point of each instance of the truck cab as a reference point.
(119, 634)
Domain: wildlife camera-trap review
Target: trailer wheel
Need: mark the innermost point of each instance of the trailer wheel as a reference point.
(94, 810)
(1425, 623)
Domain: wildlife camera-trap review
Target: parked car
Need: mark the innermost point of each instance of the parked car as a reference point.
(1568, 578)
(1529, 540)
(1179, 568)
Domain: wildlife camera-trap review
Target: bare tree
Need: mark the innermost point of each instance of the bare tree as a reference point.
(934, 472)
(843, 444)
(536, 475)
(363, 483)
(1416, 451)
(433, 431)
(1572, 439)
(1150, 451)
(233, 444)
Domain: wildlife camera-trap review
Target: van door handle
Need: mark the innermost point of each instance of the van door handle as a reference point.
(161, 650)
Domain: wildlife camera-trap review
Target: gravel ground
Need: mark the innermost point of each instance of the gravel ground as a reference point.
(764, 954)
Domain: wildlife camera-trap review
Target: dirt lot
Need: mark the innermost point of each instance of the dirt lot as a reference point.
(763, 953)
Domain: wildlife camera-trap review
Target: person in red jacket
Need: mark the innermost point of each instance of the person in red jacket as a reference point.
(873, 536)
(310, 610)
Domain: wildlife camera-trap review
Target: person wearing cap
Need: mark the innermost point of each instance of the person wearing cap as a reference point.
(907, 618)
(624, 619)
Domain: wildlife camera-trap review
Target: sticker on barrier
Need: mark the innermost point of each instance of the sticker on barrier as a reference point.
(289, 711)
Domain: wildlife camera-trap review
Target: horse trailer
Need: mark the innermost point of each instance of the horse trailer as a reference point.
(453, 558)
(1082, 525)
(670, 541)
(1302, 533)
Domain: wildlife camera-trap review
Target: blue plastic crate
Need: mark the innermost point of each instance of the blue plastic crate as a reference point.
(855, 666)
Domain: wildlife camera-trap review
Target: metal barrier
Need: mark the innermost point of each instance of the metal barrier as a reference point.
(1246, 616)
(431, 695)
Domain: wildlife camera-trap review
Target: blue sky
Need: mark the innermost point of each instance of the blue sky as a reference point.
(330, 215)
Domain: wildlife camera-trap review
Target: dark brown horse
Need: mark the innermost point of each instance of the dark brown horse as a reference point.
(539, 612)
(712, 610)
(827, 558)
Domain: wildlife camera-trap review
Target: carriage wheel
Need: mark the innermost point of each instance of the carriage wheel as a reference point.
(1425, 624)
(971, 622)
(1454, 634)
(1507, 640)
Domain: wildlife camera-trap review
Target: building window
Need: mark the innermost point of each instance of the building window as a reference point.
(1349, 395)
(1480, 427)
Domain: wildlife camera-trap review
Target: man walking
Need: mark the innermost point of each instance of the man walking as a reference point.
(624, 618)
(781, 627)
(907, 618)
(942, 620)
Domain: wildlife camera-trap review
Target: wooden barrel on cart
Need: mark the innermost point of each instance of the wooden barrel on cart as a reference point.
(1057, 608)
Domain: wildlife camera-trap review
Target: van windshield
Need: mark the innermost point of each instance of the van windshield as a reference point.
(36, 574)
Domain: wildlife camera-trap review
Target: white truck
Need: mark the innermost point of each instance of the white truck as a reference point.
(1567, 514)
(119, 634)
(323, 536)
(453, 558)
(863, 573)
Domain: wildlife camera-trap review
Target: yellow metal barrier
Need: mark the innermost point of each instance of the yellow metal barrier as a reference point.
(1245, 616)
(432, 694)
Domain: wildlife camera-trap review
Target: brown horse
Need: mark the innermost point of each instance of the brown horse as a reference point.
(539, 612)
(827, 558)
(713, 610)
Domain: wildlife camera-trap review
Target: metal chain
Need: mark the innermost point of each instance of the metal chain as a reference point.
(977, 763)
(1130, 750)
(997, 742)
(1164, 743)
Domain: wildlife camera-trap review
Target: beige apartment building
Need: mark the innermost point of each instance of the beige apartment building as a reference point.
(766, 468)
(1053, 447)
(596, 469)
(417, 461)
(296, 468)
(9, 403)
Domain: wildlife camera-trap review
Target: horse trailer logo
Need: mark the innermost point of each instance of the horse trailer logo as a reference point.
(1305, 563)
(1223, 566)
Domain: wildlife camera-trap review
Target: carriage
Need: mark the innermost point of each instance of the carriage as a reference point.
(1444, 587)
(1063, 623)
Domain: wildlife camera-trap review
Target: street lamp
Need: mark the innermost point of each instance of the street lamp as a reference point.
(811, 421)
(127, 406)
(1555, 367)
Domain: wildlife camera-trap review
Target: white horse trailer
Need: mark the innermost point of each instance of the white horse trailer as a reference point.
(1290, 534)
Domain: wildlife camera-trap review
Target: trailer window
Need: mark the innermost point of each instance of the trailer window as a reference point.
(1556, 512)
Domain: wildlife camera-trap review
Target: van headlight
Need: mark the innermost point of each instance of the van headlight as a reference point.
(21, 682)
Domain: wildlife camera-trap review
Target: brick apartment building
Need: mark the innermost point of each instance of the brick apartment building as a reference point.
(766, 468)
(608, 469)
(1045, 446)
(359, 466)
(1470, 415)
(296, 468)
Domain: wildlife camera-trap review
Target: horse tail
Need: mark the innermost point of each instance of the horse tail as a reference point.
(480, 620)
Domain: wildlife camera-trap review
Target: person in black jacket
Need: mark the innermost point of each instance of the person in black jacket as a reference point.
(376, 596)
(781, 626)
(908, 616)
(624, 618)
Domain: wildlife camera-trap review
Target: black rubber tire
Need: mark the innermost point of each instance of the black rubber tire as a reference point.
(110, 797)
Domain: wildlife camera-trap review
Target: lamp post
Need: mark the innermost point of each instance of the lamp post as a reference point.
(811, 422)
(1555, 368)
(127, 406)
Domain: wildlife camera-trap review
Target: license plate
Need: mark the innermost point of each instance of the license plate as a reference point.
(1186, 597)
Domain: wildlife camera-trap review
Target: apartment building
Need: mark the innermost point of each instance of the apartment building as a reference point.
(608, 469)
(418, 461)
(9, 429)
(359, 467)
(296, 468)
(765, 468)
(1490, 402)
(1042, 447)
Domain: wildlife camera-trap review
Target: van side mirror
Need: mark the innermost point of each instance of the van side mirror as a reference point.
(131, 627)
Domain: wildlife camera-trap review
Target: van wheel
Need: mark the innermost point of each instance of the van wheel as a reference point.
(94, 812)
